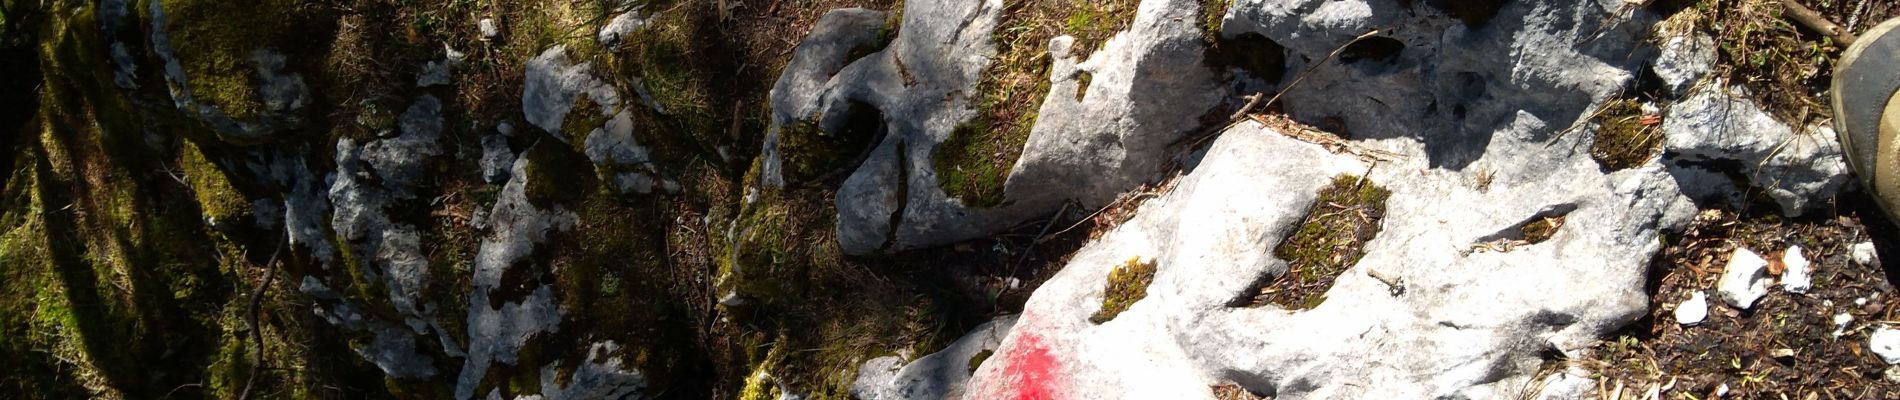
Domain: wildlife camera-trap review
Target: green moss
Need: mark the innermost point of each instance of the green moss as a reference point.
(976, 361)
(582, 120)
(674, 68)
(1624, 139)
(557, 175)
(1093, 22)
(1542, 229)
(214, 40)
(974, 162)
(1331, 238)
(216, 197)
(1127, 284)
(1213, 15)
(807, 154)
(760, 386)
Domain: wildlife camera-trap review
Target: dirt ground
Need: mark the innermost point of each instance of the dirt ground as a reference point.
(1788, 346)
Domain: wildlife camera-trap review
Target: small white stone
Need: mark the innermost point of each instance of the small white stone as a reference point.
(1745, 280)
(1721, 391)
(1864, 254)
(1841, 321)
(1693, 310)
(1861, 302)
(1797, 278)
(1886, 343)
(489, 30)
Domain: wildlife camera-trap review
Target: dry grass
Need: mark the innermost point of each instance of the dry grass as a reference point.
(1785, 66)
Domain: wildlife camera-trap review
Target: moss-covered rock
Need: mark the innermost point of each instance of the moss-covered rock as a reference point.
(216, 42)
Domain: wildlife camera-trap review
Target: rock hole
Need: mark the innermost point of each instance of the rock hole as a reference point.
(1082, 80)
(978, 359)
(837, 144)
(1536, 229)
(1331, 238)
(1127, 284)
(517, 282)
(1474, 13)
(1627, 136)
(1250, 52)
(1377, 49)
(1231, 391)
(1668, 8)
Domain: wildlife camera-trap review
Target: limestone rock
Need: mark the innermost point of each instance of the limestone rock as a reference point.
(489, 29)
(552, 85)
(1693, 310)
(940, 375)
(1148, 90)
(1714, 125)
(623, 25)
(496, 333)
(497, 158)
(1744, 280)
(281, 93)
(1886, 343)
(1685, 59)
(1864, 254)
(1465, 336)
(1797, 279)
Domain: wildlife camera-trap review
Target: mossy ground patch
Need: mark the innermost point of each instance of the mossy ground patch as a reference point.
(1330, 239)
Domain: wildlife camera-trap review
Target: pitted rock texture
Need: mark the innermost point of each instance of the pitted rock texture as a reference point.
(1453, 330)
(1148, 90)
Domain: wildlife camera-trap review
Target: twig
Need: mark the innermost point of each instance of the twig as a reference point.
(1315, 66)
(1814, 20)
(1252, 100)
(1098, 212)
(257, 335)
(1039, 235)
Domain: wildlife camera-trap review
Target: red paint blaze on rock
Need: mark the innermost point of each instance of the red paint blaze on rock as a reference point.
(1033, 370)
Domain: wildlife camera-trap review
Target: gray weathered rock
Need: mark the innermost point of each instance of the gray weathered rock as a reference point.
(282, 94)
(795, 96)
(434, 73)
(1148, 89)
(940, 375)
(496, 333)
(623, 25)
(1716, 124)
(552, 85)
(497, 158)
(1451, 101)
(371, 178)
(1685, 59)
(1454, 332)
